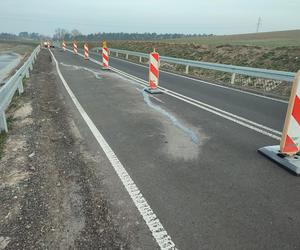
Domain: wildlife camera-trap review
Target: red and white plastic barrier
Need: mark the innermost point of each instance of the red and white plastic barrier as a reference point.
(290, 140)
(48, 45)
(75, 49)
(86, 51)
(64, 45)
(153, 70)
(105, 56)
(288, 153)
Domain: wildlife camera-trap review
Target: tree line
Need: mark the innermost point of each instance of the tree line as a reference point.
(23, 36)
(62, 34)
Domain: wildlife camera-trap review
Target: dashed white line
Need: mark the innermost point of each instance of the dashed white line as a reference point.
(159, 233)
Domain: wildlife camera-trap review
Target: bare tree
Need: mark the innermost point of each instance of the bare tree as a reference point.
(75, 32)
(60, 33)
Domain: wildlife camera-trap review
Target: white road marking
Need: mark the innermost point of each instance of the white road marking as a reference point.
(155, 98)
(159, 233)
(208, 83)
(234, 118)
(227, 115)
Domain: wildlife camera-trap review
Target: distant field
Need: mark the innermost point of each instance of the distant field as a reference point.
(16, 47)
(265, 39)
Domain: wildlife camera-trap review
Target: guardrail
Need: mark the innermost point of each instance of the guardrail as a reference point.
(254, 72)
(15, 83)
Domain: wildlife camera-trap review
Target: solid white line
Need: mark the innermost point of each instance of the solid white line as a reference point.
(208, 83)
(227, 115)
(232, 117)
(159, 233)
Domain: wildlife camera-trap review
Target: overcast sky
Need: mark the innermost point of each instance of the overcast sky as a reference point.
(160, 16)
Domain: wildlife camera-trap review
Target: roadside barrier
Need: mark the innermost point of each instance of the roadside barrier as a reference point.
(75, 49)
(64, 45)
(153, 73)
(105, 56)
(287, 154)
(86, 51)
(233, 69)
(15, 83)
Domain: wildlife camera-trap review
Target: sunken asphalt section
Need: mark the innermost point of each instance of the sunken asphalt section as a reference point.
(200, 173)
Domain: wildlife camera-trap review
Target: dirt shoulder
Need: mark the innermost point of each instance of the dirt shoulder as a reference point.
(49, 194)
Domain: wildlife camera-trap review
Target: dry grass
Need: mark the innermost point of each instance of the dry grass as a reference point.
(16, 47)
(265, 39)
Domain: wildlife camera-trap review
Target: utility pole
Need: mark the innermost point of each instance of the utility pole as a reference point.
(259, 22)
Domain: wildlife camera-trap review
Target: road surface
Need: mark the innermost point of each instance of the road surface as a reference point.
(199, 171)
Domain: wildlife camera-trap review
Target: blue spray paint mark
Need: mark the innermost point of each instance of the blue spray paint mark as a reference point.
(173, 119)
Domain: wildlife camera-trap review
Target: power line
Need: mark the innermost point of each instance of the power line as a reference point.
(259, 24)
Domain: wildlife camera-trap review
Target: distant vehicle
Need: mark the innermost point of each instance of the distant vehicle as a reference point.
(48, 45)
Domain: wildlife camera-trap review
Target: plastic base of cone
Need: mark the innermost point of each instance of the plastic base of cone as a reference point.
(153, 91)
(291, 163)
(105, 68)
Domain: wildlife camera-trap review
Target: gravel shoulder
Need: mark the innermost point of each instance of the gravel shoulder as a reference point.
(51, 196)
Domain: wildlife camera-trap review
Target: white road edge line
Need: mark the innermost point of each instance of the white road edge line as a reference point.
(227, 115)
(159, 233)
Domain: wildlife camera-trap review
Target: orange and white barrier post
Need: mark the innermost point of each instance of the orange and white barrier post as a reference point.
(75, 48)
(64, 45)
(86, 51)
(287, 154)
(105, 56)
(290, 140)
(153, 73)
(48, 45)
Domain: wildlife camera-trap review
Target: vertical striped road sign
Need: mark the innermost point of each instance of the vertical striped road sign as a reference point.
(105, 56)
(64, 45)
(75, 49)
(287, 154)
(86, 51)
(290, 141)
(153, 73)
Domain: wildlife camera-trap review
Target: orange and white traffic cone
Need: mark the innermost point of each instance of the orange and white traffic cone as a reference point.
(153, 73)
(75, 49)
(105, 56)
(64, 46)
(287, 154)
(86, 51)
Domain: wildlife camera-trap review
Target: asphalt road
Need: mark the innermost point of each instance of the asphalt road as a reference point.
(261, 110)
(200, 173)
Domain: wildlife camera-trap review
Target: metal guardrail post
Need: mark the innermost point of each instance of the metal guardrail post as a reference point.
(117, 54)
(20, 85)
(127, 56)
(232, 78)
(3, 124)
(140, 59)
(187, 69)
(27, 74)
